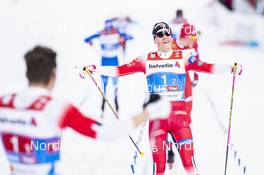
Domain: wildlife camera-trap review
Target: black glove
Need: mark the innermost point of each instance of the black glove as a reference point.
(151, 99)
(157, 107)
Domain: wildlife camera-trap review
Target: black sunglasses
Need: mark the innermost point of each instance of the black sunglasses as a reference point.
(161, 34)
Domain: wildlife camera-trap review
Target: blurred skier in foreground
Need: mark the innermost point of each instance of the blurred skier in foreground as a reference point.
(32, 121)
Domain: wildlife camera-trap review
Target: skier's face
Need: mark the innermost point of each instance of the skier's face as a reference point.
(108, 25)
(163, 41)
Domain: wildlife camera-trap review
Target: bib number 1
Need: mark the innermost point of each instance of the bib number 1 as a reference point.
(164, 79)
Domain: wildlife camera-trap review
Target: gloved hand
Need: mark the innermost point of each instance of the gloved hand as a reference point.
(194, 83)
(90, 68)
(90, 43)
(83, 70)
(122, 40)
(195, 79)
(236, 69)
(157, 107)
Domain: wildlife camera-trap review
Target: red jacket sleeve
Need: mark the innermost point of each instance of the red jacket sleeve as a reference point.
(200, 66)
(74, 119)
(137, 65)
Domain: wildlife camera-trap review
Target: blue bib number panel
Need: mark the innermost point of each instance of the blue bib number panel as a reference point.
(167, 82)
(26, 150)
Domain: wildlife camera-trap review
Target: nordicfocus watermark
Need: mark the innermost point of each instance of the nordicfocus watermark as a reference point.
(57, 145)
(44, 146)
(60, 29)
(210, 30)
(185, 145)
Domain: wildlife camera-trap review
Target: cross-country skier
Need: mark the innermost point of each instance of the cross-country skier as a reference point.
(111, 40)
(31, 121)
(176, 25)
(188, 44)
(122, 24)
(165, 72)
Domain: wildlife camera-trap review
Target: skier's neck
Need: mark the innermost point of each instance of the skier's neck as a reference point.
(165, 55)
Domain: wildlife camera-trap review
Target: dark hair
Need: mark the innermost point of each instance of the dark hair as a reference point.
(179, 13)
(40, 62)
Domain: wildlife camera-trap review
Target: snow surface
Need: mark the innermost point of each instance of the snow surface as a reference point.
(63, 24)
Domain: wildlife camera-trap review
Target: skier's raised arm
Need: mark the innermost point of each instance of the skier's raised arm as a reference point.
(90, 38)
(200, 66)
(135, 66)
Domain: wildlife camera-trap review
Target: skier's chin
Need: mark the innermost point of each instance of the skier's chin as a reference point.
(166, 45)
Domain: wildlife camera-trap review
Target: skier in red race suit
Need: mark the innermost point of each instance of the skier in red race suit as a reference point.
(187, 43)
(165, 72)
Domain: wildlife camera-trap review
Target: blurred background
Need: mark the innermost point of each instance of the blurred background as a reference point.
(230, 31)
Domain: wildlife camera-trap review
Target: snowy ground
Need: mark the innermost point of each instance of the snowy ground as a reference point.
(63, 25)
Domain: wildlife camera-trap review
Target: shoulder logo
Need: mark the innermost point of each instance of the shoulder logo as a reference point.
(152, 55)
(178, 54)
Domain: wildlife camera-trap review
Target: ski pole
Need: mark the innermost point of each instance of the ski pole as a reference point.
(112, 109)
(102, 94)
(138, 142)
(230, 118)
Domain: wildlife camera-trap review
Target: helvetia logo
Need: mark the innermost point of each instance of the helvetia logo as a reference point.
(154, 66)
(5, 120)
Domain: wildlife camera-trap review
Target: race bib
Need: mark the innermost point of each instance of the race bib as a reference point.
(27, 150)
(166, 77)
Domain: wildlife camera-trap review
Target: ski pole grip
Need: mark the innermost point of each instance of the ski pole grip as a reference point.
(234, 68)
